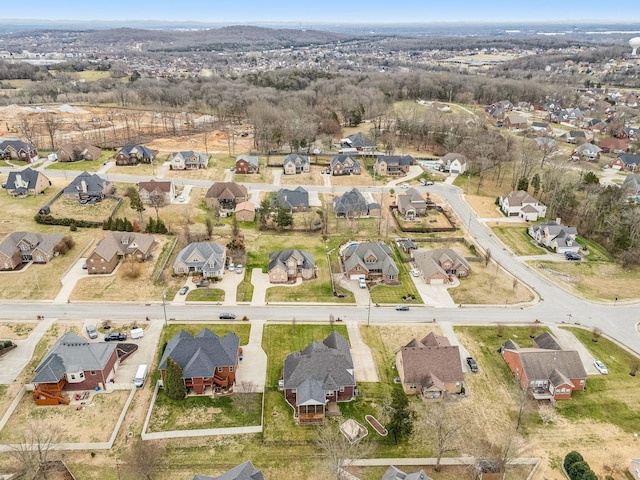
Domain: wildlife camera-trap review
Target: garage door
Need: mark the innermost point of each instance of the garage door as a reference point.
(356, 277)
(436, 281)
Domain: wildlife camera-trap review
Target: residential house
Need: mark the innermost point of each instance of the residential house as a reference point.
(576, 137)
(19, 248)
(439, 265)
(595, 125)
(629, 160)
(226, 195)
(286, 266)
(118, 245)
(631, 184)
(411, 204)
(555, 236)
(344, 165)
(521, 204)
(359, 142)
(628, 132)
(74, 364)
(18, 150)
(431, 367)
(394, 473)
(613, 145)
(206, 360)
(247, 164)
(26, 182)
(546, 143)
(454, 163)
(188, 160)
(134, 154)
(245, 212)
(207, 258)
(541, 128)
(634, 468)
(244, 471)
(88, 186)
(515, 121)
(499, 109)
(317, 378)
(75, 152)
(393, 165)
(570, 116)
(407, 245)
(369, 260)
(629, 99)
(295, 163)
(296, 200)
(586, 151)
(545, 371)
(552, 106)
(152, 191)
(352, 204)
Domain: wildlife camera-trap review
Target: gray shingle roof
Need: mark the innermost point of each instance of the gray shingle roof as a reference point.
(140, 150)
(23, 180)
(45, 243)
(244, 471)
(207, 256)
(350, 201)
(280, 257)
(298, 198)
(394, 473)
(72, 353)
(199, 356)
(94, 184)
(356, 253)
(540, 364)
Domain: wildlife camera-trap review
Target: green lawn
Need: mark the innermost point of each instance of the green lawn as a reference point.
(395, 294)
(612, 398)
(206, 295)
(517, 239)
(596, 252)
(83, 165)
(200, 412)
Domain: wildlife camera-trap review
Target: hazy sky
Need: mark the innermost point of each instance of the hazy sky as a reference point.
(321, 11)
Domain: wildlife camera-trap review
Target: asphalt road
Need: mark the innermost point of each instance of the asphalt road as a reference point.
(556, 306)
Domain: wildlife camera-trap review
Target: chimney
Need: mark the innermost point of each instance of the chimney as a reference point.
(558, 221)
(83, 186)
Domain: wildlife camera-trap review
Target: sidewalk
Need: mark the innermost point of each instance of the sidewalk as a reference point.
(253, 369)
(363, 362)
(14, 362)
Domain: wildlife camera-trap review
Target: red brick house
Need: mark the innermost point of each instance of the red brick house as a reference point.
(74, 152)
(206, 360)
(18, 150)
(545, 371)
(135, 154)
(117, 245)
(613, 145)
(370, 260)
(74, 364)
(515, 121)
(247, 164)
(162, 188)
(430, 367)
(317, 378)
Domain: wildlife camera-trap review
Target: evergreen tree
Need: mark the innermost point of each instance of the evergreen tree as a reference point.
(128, 226)
(173, 383)
(523, 184)
(283, 218)
(106, 224)
(401, 416)
(535, 183)
(135, 201)
(151, 225)
(160, 227)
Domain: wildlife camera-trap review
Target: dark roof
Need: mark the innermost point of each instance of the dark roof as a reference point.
(23, 180)
(432, 357)
(399, 160)
(298, 198)
(321, 366)
(547, 341)
(72, 353)
(296, 158)
(16, 145)
(199, 356)
(342, 159)
(94, 183)
(280, 257)
(244, 471)
(141, 150)
(357, 252)
(394, 473)
(156, 185)
(359, 140)
(541, 364)
(350, 201)
(630, 158)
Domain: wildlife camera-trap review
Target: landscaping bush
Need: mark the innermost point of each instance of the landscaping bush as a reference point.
(7, 344)
(67, 222)
(571, 458)
(578, 470)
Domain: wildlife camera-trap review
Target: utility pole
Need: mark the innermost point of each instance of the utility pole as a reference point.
(164, 308)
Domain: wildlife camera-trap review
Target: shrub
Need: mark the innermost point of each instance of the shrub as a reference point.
(578, 470)
(7, 343)
(571, 458)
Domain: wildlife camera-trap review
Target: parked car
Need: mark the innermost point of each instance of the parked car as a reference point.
(404, 185)
(84, 266)
(115, 336)
(473, 366)
(429, 183)
(181, 199)
(239, 268)
(572, 256)
(601, 367)
(91, 331)
(415, 272)
(183, 290)
(232, 267)
(202, 283)
(402, 308)
(227, 316)
(362, 283)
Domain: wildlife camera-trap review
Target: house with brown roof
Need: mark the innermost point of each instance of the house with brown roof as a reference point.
(245, 212)
(26, 182)
(73, 364)
(286, 266)
(438, 265)
(134, 154)
(411, 204)
(546, 371)
(115, 246)
(515, 121)
(207, 360)
(20, 248)
(393, 165)
(156, 188)
(225, 196)
(431, 367)
(75, 152)
(520, 204)
(316, 379)
(18, 150)
(369, 260)
(247, 164)
(613, 145)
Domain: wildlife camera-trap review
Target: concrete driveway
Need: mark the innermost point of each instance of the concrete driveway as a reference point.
(146, 352)
(568, 341)
(252, 371)
(434, 295)
(69, 280)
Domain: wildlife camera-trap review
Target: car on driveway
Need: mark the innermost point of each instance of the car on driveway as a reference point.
(473, 366)
(91, 331)
(404, 185)
(415, 272)
(572, 256)
(239, 268)
(601, 367)
(115, 336)
(227, 316)
(183, 290)
(402, 308)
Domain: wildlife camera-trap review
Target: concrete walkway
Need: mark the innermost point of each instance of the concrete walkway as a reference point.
(252, 372)
(414, 171)
(277, 174)
(70, 279)
(14, 362)
(363, 362)
(447, 330)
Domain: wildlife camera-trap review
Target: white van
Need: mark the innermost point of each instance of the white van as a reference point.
(141, 376)
(137, 333)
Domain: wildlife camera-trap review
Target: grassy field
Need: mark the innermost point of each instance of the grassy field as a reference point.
(517, 239)
(397, 294)
(84, 165)
(206, 295)
(200, 412)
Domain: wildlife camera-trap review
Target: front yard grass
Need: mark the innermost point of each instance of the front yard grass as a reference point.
(83, 165)
(612, 398)
(201, 412)
(206, 295)
(397, 294)
(517, 239)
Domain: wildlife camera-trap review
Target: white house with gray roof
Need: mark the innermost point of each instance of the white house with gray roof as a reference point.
(317, 378)
(188, 160)
(207, 258)
(555, 236)
(520, 204)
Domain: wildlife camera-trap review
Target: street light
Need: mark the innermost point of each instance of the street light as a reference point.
(369, 312)
(164, 308)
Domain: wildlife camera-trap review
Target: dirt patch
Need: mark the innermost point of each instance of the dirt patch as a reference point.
(484, 207)
(15, 331)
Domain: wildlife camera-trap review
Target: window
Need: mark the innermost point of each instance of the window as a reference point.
(81, 374)
(231, 369)
(219, 369)
(92, 372)
(328, 393)
(342, 389)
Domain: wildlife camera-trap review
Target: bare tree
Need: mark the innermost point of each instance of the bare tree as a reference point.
(157, 200)
(614, 462)
(143, 459)
(28, 129)
(242, 394)
(445, 430)
(339, 452)
(35, 446)
(547, 413)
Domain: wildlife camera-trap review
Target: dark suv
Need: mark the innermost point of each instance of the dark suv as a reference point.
(115, 336)
(227, 316)
(473, 366)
